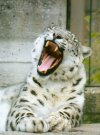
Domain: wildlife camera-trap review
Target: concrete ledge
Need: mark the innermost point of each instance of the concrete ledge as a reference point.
(92, 105)
(85, 129)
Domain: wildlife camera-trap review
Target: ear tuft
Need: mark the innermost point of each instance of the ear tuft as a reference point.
(86, 51)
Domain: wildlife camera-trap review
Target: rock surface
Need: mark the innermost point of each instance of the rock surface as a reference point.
(85, 129)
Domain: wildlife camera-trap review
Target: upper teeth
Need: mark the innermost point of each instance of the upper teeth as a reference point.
(47, 44)
(56, 49)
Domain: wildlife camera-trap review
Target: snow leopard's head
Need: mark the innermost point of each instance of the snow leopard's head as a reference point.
(58, 49)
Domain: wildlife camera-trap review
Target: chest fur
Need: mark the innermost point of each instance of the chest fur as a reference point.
(52, 94)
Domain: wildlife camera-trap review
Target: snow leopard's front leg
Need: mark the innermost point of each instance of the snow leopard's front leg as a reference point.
(23, 115)
(66, 118)
(22, 118)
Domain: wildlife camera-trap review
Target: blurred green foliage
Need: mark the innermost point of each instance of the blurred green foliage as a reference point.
(95, 45)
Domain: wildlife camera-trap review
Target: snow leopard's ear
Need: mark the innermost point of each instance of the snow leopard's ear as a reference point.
(86, 51)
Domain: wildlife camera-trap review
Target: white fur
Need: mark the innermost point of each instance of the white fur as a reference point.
(51, 82)
(7, 96)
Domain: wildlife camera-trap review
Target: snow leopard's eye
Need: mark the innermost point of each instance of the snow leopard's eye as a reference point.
(58, 37)
(50, 59)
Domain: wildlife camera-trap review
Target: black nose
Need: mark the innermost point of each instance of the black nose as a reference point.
(54, 36)
(62, 48)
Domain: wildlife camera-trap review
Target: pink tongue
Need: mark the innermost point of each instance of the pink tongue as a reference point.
(46, 63)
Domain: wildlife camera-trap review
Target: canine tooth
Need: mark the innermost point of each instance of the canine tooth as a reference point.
(47, 44)
(45, 72)
(38, 66)
(56, 49)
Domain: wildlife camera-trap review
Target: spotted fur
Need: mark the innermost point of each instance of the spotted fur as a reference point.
(54, 102)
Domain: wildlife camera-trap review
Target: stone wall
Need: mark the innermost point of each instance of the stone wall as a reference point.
(92, 105)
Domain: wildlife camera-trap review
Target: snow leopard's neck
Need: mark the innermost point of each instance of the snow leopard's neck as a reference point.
(59, 79)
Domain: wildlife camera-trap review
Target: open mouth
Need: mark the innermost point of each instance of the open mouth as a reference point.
(50, 59)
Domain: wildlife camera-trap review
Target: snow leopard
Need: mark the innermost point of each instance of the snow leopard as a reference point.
(52, 98)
